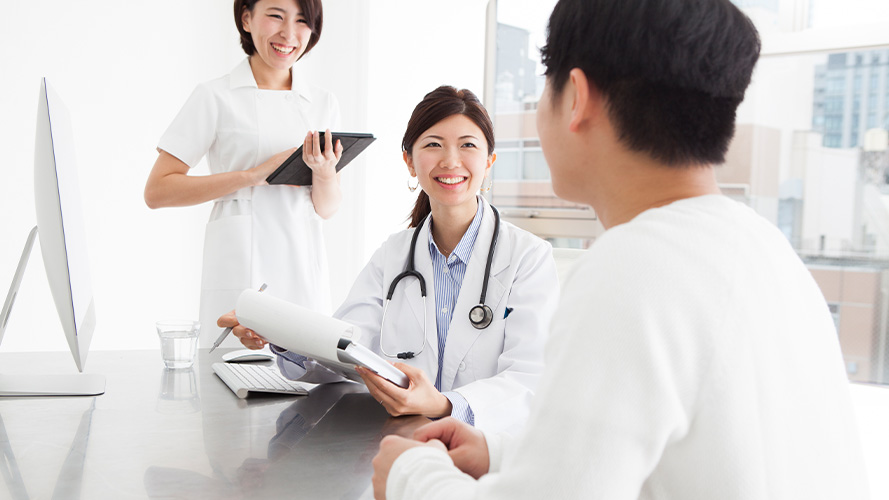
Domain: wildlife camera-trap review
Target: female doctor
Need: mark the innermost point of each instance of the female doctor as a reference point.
(247, 123)
(473, 346)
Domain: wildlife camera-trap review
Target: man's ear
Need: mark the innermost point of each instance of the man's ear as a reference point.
(585, 100)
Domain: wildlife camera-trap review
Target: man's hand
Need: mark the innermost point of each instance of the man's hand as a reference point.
(466, 445)
(391, 447)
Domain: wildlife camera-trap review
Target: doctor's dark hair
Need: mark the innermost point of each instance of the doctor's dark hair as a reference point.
(311, 10)
(672, 72)
(441, 103)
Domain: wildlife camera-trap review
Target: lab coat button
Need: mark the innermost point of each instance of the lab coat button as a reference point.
(462, 366)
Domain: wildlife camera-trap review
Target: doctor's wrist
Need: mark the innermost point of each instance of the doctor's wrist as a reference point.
(442, 407)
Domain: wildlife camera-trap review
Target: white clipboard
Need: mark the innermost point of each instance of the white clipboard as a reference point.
(329, 341)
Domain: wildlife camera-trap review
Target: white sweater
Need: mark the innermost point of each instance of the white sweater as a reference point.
(692, 357)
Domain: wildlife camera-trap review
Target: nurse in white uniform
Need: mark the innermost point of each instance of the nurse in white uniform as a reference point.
(247, 123)
(483, 374)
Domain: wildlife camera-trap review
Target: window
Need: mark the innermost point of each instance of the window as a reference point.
(810, 152)
(814, 162)
(522, 188)
(834, 14)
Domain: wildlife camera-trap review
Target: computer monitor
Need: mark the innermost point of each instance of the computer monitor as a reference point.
(63, 245)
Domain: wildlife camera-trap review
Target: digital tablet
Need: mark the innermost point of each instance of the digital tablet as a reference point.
(294, 170)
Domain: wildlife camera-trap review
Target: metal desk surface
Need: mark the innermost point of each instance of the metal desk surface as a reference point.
(159, 433)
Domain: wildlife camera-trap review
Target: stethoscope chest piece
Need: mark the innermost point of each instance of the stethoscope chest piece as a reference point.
(480, 316)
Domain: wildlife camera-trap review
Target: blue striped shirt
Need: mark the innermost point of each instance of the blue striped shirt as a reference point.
(448, 275)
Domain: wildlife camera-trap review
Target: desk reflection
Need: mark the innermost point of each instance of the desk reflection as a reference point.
(69, 483)
(322, 448)
(179, 391)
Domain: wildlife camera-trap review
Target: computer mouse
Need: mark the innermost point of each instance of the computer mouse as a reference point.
(244, 355)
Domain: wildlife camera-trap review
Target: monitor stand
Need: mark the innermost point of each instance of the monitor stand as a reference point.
(80, 384)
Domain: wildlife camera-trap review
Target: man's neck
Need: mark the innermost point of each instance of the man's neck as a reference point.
(639, 184)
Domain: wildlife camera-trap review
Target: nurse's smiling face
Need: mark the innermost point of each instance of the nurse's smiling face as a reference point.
(279, 31)
(451, 160)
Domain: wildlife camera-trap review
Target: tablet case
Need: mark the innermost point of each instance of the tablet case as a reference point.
(294, 170)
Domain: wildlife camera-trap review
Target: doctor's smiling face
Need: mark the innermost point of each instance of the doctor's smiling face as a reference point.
(451, 161)
(280, 32)
(449, 147)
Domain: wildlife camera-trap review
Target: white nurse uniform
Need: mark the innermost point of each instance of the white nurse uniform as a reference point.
(263, 234)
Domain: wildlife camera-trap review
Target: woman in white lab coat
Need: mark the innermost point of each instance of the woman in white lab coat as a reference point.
(484, 376)
(247, 123)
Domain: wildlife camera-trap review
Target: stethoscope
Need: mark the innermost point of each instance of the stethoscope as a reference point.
(480, 316)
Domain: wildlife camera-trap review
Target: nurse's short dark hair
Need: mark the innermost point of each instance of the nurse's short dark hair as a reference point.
(673, 72)
(311, 10)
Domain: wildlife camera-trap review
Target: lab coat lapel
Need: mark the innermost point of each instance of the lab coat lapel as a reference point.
(461, 334)
(412, 296)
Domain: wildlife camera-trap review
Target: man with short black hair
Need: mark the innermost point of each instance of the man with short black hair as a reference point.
(692, 356)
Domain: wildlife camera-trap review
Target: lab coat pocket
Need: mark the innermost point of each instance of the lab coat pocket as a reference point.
(227, 253)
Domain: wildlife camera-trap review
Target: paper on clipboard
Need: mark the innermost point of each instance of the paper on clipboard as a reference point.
(322, 338)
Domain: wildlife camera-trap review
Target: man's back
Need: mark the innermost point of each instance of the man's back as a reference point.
(710, 363)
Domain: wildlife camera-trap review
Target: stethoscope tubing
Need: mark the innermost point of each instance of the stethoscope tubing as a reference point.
(410, 270)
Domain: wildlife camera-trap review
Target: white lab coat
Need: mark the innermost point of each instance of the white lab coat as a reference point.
(263, 234)
(495, 369)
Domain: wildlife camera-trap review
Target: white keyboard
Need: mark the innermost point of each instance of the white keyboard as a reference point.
(245, 378)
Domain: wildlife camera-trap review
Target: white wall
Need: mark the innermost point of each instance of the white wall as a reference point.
(125, 68)
(414, 48)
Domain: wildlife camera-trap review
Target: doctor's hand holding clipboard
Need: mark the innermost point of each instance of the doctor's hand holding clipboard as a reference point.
(460, 300)
(421, 397)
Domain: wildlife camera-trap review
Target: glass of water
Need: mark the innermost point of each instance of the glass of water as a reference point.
(179, 339)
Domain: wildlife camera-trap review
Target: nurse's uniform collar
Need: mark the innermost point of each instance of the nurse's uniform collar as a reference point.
(242, 76)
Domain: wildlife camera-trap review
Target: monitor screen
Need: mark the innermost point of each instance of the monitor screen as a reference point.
(60, 223)
(62, 239)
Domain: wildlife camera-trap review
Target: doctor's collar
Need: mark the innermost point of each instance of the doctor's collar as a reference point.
(463, 250)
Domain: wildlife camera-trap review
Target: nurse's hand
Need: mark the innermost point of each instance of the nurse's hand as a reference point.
(466, 445)
(259, 173)
(247, 337)
(322, 163)
(420, 398)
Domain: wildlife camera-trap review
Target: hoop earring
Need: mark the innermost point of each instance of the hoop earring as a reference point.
(414, 187)
(486, 188)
